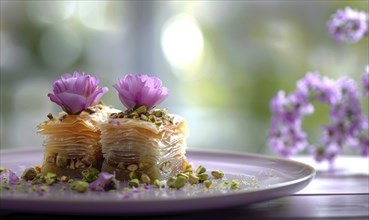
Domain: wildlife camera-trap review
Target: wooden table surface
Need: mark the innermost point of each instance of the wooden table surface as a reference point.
(339, 194)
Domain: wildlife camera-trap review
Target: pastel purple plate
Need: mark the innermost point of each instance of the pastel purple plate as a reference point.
(260, 178)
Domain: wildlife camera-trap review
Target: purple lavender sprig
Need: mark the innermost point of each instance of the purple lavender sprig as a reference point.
(348, 25)
(349, 126)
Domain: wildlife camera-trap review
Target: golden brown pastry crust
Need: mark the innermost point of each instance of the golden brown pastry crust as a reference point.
(158, 151)
(72, 142)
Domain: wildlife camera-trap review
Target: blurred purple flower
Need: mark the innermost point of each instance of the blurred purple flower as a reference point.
(13, 178)
(348, 25)
(101, 183)
(365, 81)
(348, 124)
(75, 93)
(139, 89)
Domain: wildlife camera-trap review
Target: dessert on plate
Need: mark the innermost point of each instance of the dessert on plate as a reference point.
(72, 139)
(143, 141)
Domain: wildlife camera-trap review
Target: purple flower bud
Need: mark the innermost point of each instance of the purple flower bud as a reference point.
(348, 25)
(137, 90)
(75, 93)
(101, 182)
(365, 81)
(13, 178)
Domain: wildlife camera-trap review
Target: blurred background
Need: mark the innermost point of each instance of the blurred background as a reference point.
(222, 61)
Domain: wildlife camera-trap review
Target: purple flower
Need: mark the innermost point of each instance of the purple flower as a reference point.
(365, 81)
(102, 183)
(13, 178)
(75, 93)
(348, 124)
(348, 25)
(138, 90)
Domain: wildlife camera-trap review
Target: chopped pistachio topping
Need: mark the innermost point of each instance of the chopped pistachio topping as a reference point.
(170, 181)
(50, 178)
(141, 110)
(90, 174)
(180, 182)
(157, 116)
(132, 175)
(218, 174)
(183, 175)
(144, 117)
(234, 185)
(61, 162)
(207, 183)
(158, 184)
(64, 179)
(134, 183)
(79, 186)
(132, 167)
(145, 178)
(201, 169)
(189, 167)
(193, 179)
(29, 174)
(202, 177)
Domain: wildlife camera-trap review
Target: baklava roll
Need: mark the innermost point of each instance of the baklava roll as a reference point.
(72, 142)
(149, 143)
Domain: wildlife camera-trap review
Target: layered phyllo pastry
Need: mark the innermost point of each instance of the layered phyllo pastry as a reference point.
(142, 141)
(72, 139)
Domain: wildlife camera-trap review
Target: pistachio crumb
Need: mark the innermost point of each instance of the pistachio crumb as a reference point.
(90, 174)
(145, 178)
(171, 181)
(132, 175)
(207, 183)
(202, 177)
(183, 175)
(217, 174)
(180, 182)
(141, 110)
(79, 186)
(158, 184)
(234, 185)
(50, 178)
(132, 167)
(193, 179)
(134, 183)
(64, 179)
(201, 169)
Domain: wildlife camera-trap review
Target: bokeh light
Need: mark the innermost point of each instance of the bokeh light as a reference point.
(50, 12)
(182, 41)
